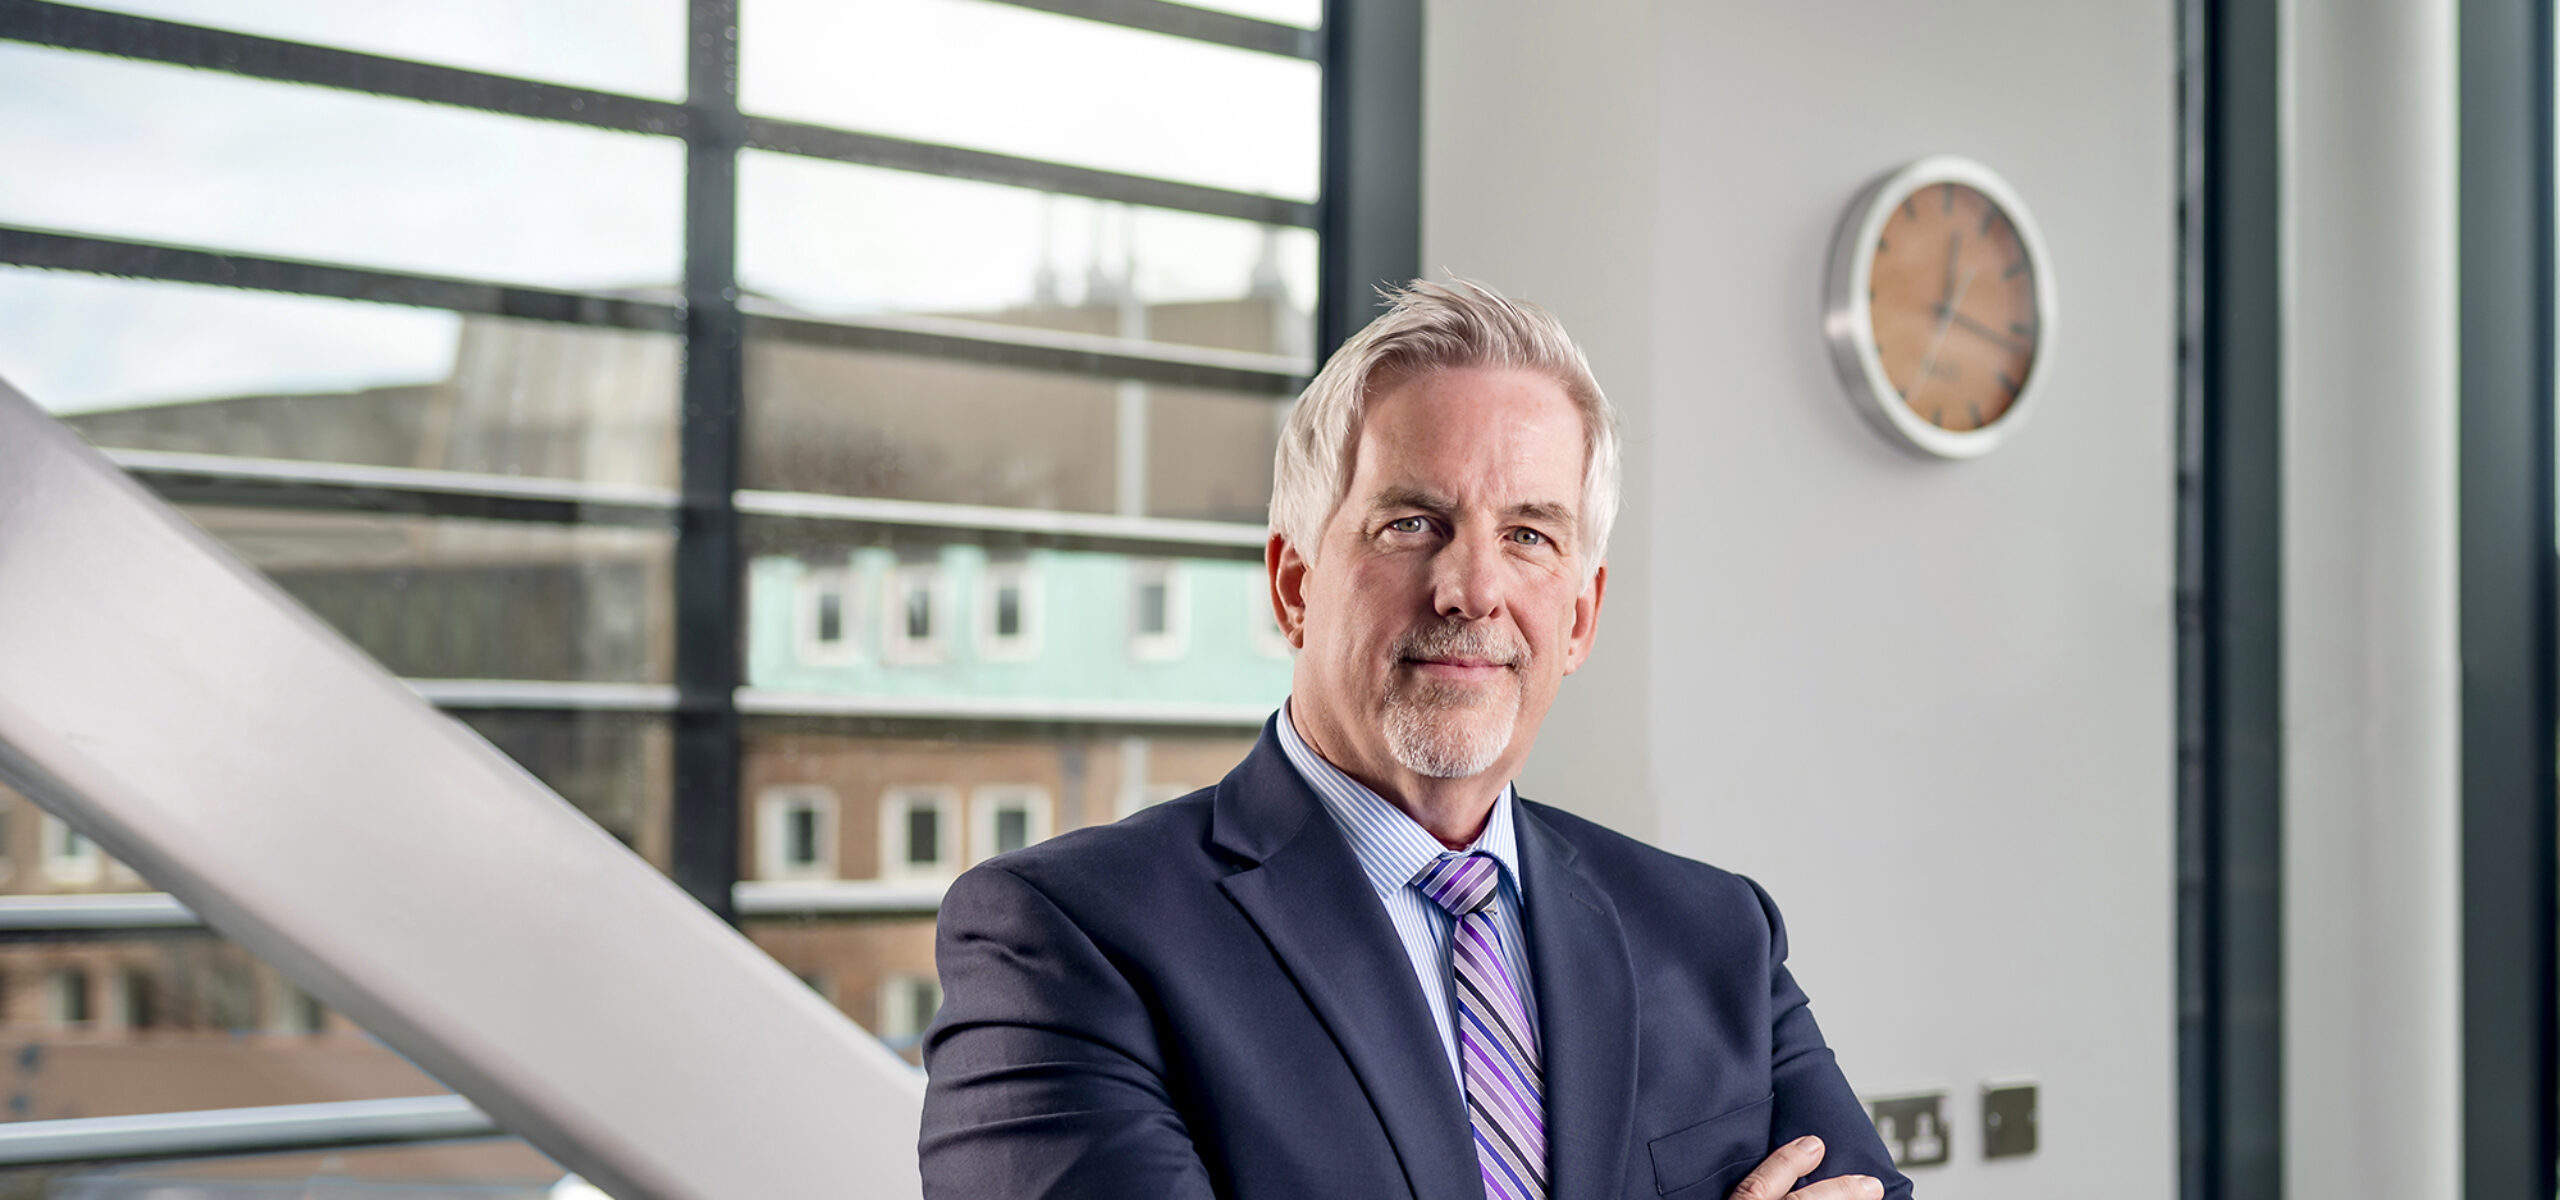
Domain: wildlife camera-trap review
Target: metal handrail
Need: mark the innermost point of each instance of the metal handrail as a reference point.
(274, 1129)
(95, 913)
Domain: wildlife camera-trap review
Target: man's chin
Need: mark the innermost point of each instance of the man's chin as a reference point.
(1436, 746)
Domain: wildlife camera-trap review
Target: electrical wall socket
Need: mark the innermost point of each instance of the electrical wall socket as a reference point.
(1913, 1126)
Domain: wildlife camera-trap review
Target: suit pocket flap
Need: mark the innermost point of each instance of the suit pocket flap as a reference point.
(1732, 1142)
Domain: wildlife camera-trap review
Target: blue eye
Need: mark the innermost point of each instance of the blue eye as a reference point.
(1528, 537)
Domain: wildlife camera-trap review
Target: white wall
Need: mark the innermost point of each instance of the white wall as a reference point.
(1928, 704)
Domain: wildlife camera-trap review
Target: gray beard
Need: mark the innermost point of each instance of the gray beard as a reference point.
(1441, 732)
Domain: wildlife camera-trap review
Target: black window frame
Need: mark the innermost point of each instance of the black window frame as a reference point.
(2230, 603)
(1367, 218)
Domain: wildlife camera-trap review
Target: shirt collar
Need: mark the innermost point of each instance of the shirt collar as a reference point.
(1392, 847)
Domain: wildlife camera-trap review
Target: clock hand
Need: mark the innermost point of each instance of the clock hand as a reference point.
(1955, 245)
(1979, 329)
(1946, 321)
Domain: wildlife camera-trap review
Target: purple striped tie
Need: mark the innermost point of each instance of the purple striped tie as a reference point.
(1497, 1048)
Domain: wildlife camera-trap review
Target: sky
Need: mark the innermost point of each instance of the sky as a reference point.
(167, 154)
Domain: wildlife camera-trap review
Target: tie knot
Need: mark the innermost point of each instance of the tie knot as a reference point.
(1461, 883)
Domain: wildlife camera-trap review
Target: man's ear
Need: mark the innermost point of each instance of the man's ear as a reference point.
(1586, 620)
(1287, 570)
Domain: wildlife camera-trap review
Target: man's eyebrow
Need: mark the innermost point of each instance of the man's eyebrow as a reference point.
(1541, 510)
(1430, 501)
(1412, 497)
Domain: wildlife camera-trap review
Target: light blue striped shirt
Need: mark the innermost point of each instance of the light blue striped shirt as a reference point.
(1392, 849)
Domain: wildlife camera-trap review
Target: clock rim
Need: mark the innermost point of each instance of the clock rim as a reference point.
(1849, 318)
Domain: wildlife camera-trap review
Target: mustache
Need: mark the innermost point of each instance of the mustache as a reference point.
(1456, 639)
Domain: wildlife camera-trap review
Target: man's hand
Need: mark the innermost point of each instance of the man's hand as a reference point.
(1795, 1160)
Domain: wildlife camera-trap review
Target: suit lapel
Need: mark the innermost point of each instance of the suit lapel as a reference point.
(1308, 897)
(1586, 1014)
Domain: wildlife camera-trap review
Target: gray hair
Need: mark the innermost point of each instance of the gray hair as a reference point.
(1435, 327)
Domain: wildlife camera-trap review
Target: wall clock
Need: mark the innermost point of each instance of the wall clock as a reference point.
(1940, 308)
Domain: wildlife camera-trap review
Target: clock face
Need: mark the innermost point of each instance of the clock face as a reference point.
(1953, 305)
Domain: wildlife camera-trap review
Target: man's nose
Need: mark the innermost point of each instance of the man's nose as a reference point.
(1466, 582)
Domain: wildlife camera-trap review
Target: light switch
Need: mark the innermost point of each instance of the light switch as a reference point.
(2008, 1119)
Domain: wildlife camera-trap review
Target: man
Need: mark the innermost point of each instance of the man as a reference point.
(1361, 966)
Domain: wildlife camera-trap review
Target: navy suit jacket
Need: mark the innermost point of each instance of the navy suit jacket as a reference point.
(1207, 999)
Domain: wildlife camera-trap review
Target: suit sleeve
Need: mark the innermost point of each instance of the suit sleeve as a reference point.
(1812, 1095)
(1045, 1077)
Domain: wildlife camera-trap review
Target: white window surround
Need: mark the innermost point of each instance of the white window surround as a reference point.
(987, 805)
(897, 641)
(844, 584)
(907, 1005)
(1171, 641)
(897, 860)
(777, 810)
(69, 857)
(1023, 644)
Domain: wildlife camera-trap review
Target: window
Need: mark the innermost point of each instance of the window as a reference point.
(1009, 612)
(828, 617)
(917, 611)
(907, 1005)
(1137, 790)
(1008, 817)
(70, 996)
(1159, 620)
(231, 997)
(69, 858)
(141, 999)
(916, 833)
(292, 1010)
(937, 477)
(796, 833)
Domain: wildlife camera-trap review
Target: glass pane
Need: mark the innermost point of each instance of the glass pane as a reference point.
(42, 856)
(1102, 628)
(851, 422)
(131, 1023)
(618, 768)
(1009, 611)
(1036, 84)
(837, 239)
(167, 154)
(633, 46)
(163, 366)
(1151, 607)
(924, 841)
(490, 1169)
(457, 598)
(108, 1026)
(1013, 830)
(879, 968)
